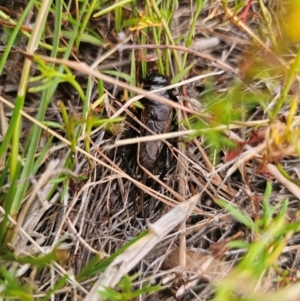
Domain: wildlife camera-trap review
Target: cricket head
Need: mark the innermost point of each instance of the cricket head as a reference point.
(157, 81)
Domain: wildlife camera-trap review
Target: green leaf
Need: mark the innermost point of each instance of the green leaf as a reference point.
(111, 8)
(179, 76)
(236, 213)
(238, 244)
(96, 266)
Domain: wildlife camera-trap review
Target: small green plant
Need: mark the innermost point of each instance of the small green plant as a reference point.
(271, 233)
(14, 288)
(10, 287)
(125, 292)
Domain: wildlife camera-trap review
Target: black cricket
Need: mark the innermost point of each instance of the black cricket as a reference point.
(158, 118)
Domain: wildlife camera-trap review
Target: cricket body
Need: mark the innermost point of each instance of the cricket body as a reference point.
(157, 117)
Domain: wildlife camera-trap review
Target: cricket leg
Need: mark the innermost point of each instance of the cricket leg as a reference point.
(167, 163)
(142, 197)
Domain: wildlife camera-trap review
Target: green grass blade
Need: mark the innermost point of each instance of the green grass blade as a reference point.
(236, 213)
(111, 8)
(14, 34)
(36, 131)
